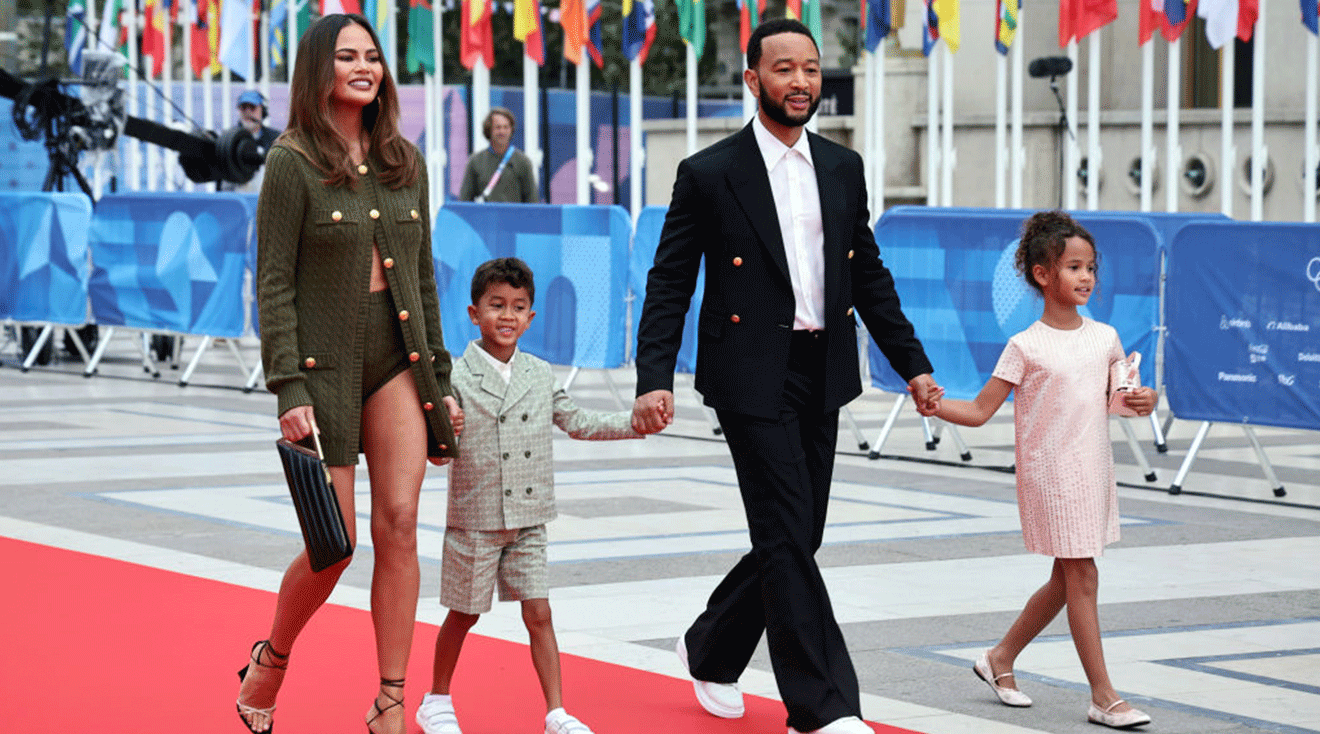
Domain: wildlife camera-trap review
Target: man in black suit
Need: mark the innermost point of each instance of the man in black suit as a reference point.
(781, 219)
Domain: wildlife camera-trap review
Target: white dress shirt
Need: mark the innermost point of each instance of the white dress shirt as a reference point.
(797, 202)
(503, 369)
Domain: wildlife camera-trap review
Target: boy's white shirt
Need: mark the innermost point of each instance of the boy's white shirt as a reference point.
(504, 369)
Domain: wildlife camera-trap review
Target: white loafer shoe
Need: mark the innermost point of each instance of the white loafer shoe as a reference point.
(724, 700)
(846, 725)
(1121, 720)
(436, 715)
(1007, 696)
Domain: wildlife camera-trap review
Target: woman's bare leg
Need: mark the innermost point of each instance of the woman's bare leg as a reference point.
(394, 441)
(302, 592)
(1041, 609)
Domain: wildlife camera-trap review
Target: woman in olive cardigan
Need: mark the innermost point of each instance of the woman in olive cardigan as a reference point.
(343, 234)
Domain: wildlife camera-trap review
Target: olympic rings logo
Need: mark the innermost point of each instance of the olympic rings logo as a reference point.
(1313, 272)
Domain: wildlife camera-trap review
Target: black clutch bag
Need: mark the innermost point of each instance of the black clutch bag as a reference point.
(314, 499)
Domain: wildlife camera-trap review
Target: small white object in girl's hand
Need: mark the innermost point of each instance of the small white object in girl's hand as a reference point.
(1124, 377)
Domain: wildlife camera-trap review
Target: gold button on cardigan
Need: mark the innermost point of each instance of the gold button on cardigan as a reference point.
(313, 274)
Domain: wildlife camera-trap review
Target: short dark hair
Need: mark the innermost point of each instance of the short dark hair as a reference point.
(774, 28)
(489, 122)
(509, 270)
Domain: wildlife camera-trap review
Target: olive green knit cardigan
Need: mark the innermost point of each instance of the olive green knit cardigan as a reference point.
(313, 274)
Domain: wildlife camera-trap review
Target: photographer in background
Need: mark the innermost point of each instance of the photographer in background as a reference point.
(252, 114)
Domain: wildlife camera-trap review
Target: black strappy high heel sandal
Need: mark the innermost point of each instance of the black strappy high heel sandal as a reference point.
(394, 702)
(279, 662)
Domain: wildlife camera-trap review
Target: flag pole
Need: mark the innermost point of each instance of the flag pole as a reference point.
(1309, 142)
(134, 83)
(167, 157)
(1017, 154)
(532, 112)
(1259, 151)
(749, 102)
(435, 130)
(933, 164)
(1093, 152)
(691, 57)
(1071, 152)
(1173, 153)
(949, 159)
(263, 26)
(1148, 124)
(1001, 128)
(636, 156)
(583, 123)
(1227, 151)
(185, 28)
(480, 100)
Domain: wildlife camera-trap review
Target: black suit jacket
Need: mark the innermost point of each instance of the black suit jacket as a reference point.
(723, 210)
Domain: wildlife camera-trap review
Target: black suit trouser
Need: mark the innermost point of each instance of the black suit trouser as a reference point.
(784, 468)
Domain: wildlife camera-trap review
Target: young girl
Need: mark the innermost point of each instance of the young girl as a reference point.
(1067, 496)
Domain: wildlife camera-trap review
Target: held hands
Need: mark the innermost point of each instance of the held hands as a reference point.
(455, 420)
(653, 411)
(1142, 400)
(926, 394)
(297, 423)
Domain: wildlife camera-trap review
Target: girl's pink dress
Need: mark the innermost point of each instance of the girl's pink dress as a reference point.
(1067, 496)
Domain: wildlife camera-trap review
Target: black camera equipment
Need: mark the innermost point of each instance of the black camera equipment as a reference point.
(1055, 67)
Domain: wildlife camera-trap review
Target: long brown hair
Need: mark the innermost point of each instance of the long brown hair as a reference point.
(311, 131)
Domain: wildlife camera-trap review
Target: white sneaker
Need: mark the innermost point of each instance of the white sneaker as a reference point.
(560, 721)
(846, 725)
(724, 700)
(436, 715)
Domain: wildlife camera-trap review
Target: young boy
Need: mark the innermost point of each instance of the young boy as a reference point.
(501, 489)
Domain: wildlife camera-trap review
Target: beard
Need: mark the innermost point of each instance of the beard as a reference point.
(779, 113)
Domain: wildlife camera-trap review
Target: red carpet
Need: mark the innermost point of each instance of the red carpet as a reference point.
(107, 647)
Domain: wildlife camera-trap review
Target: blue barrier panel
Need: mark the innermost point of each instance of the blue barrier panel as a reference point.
(170, 262)
(579, 255)
(645, 240)
(43, 257)
(954, 271)
(1243, 308)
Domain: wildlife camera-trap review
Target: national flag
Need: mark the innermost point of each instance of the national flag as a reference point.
(206, 38)
(421, 38)
(153, 35)
(236, 50)
(1221, 20)
(930, 32)
(573, 18)
(692, 24)
(528, 28)
(1247, 12)
(279, 25)
(1310, 13)
(876, 22)
(476, 43)
(594, 44)
(1176, 12)
(1006, 21)
(749, 17)
(377, 13)
(111, 35)
(341, 6)
(1077, 18)
(75, 35)
(950, 25)
(806, 12)
(638, 29)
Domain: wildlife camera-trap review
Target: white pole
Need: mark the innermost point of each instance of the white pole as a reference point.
(636, 156)
(1259, 151)
(134, 83)
(263, 49)
(1148, 125)
(435, 133)
(1308, 138)
(480, 101)
(691, 99)
(583, 99)
(532, 113)
(1173, 153)
(291, 35)
(1018, 155)
(226, 82)
(1001, 129)
(1071, 151)
(1227, 151)
(168, 158)
(876, 101)
(949, 159)
(749, 102)
(1093, 153)
(867, 113)
(932, 129)
(185, 29)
